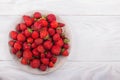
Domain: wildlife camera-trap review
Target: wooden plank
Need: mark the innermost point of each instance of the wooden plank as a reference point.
(62, 7)
(94, 38)
(77, 70)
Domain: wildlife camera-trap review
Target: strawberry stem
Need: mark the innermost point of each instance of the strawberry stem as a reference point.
(66, 40)
(30, 30)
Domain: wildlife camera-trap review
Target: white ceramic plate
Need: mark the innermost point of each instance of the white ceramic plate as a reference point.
(61, 60)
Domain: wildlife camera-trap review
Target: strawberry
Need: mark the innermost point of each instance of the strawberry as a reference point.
(48, 55)
(11, 43)
(37, 26)
(48, 44)
(54, 24)
(43, 67)
(19, 54)
(43, 22)
(17, 46)
(28, 20)
(51, 31)
(13, 35)
(35, 52)
(56, 37)
(35, 35)
(63, 36)
(51, 64)
(56, 50)
(35, 63)
(40, 49)
(29, 40)
(43, 34)
(38, 41)
(53, 59)
(61, 24)
(66, 46)
(19, 42)
(20, 37)
(45, 61)
(23, 26)
(24, 61)
(60, 42)
(42, 55)
(27, 32)
(37, 15)
(33, 45)
(59, 30)
(65, 53)
(18, 28)
(51, 17)
(13, 50)
(27, 54)
(26, 46)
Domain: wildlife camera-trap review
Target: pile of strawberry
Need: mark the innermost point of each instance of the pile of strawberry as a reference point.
(38, 40)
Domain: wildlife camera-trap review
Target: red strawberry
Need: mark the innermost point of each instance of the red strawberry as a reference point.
(48, 44)
(61, 24)
(43, 67)
(65, 53)
(27, 54)
(60, 42)
(56, 50)
(66, 46)
(48, 55)
(54, 59)
(29, 40)
(19, 54)
(42, 55)
(26, 46)
(43, 34)
(34, 45)
(18, 28)
(17, 46)
(23, 26)
(20, 37)
(51, 31)
(37, 15)
(51, 64)
(45, 61)
(35, 63)
(24, 61)
(59, 30)
(51, 17)
(35, 52)
(35, 35)
(63, 36)
(38, 41)
(56, 37)
(54, 24)
(11, 43)
(27, 32)
(43, 23)
(28, 20)
(40, 48)
(37, 26)
(13, 35)
(13, 50)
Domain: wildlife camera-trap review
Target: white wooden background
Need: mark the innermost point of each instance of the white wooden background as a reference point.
(95, 26)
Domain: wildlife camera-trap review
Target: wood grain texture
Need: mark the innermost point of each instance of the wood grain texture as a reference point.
(94, 38)
(62, 7)
(69, 71)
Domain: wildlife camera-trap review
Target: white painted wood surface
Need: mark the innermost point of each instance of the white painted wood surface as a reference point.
(95, 26)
